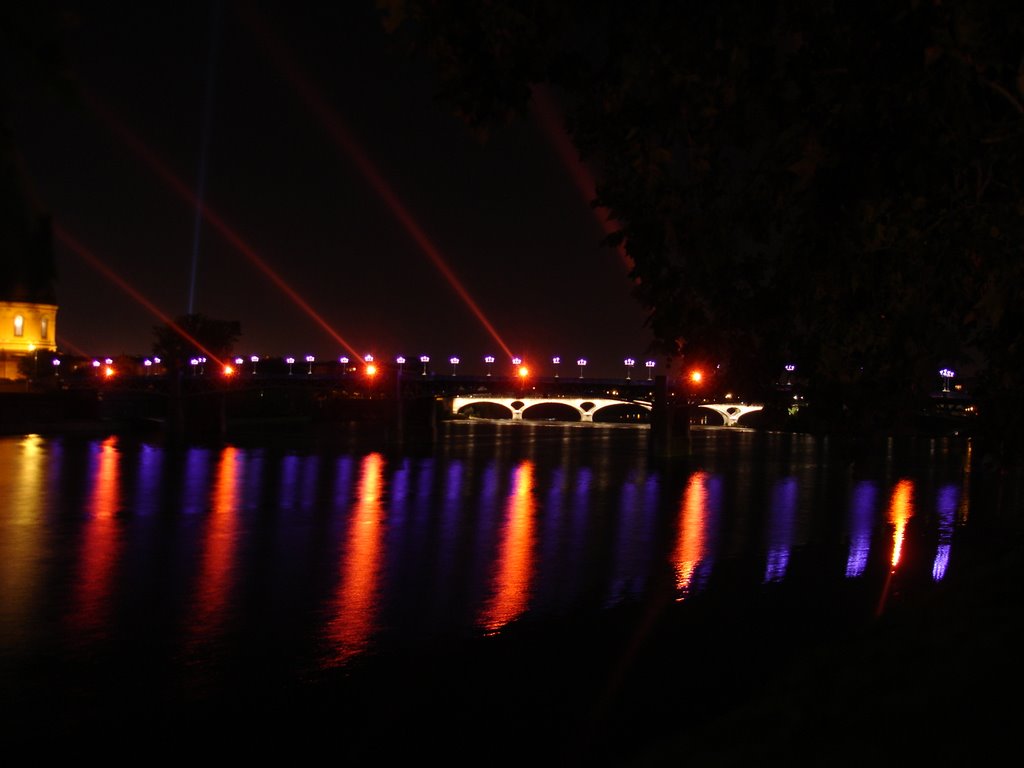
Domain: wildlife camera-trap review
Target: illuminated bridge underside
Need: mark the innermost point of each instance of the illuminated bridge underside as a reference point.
(586, 407)
(731, 412)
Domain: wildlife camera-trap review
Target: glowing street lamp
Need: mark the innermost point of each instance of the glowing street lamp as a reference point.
(946, 374)
(650, 368)
(254, 359)
(401, 363)
(489, 361)
(56, 367)
(582, 363)
(517, 361)
(424, 359)
(194, 362)
(147, 362)
(455, 364)
(309, 361)
(629, 362)
(291, 362)
(555, 362)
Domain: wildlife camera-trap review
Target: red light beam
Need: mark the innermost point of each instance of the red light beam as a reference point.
(548, 115)
(339, 131)
(229, 234)
(86, 255)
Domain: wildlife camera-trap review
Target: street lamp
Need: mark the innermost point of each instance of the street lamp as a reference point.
(455, 363)
(254, 359)
(650, 368)
(946, 375)
(401, 362)
(291, 362)
(56, 367)
(489, 361)
(582, 362)
(424, 359)
(309, 361)
(629, 362)
(149, 364)
(555, 361)
(194, 362)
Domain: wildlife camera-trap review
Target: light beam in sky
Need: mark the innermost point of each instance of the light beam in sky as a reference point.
(229, 234)
(340, 133)
(549, 116)
(91, 259)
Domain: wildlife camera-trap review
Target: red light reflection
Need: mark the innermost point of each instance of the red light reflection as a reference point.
(99, 542)
(514, 569)
(214, 580)
(357, 597)
(692, 532)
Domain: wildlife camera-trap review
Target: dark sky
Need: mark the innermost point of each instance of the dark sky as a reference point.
(506, 216)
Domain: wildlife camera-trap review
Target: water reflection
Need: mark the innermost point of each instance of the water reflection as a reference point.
(335, 553)
(692, 533)
(97, 558)
(901, 509)
(219, 542)
(513, 567)
(20, 548)
(356, 600)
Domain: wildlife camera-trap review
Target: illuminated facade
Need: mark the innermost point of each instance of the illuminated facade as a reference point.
(26, 328)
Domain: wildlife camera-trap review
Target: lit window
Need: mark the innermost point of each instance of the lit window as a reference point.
(19, 325)
(44, 331)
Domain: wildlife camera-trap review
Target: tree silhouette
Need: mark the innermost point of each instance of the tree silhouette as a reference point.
(835, 185)
(194, 335)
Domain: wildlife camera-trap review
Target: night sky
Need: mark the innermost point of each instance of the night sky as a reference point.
(328, 164)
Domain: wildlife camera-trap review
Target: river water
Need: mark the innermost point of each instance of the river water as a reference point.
(197, 580)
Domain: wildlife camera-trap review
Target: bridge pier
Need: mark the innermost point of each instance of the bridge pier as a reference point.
(670, 424)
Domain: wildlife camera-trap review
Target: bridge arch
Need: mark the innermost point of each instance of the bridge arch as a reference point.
(585, 409)
(731, 412)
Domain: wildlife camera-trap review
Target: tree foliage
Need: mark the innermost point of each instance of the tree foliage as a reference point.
(194, 335)
(835, 184)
